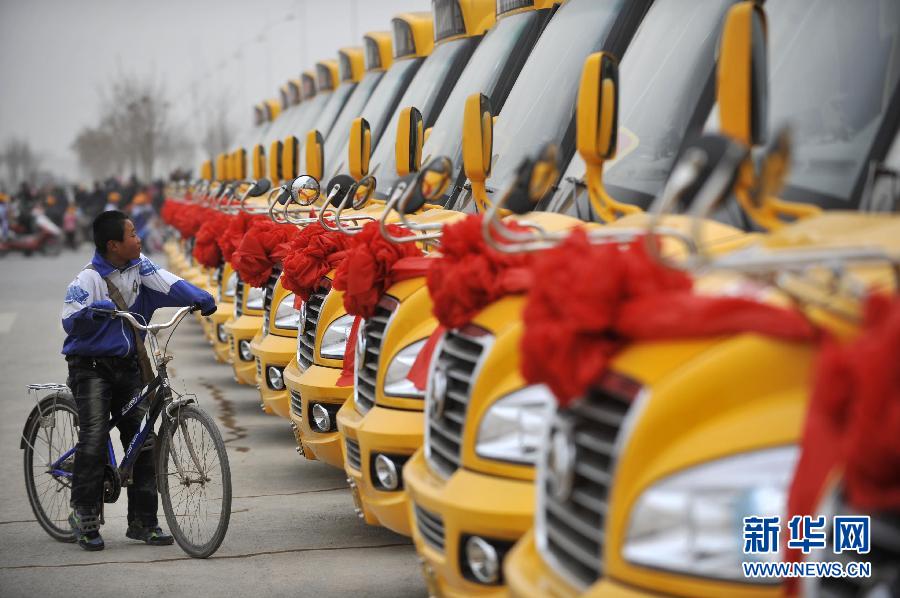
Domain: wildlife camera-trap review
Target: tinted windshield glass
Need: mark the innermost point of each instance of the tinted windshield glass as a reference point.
(480, 76)
(834, 67)
(331, 110)
(661, 81)
(279, 127)
(308, 118)
(424, 93)
(542, 102)
(380, 106)
(340, 132)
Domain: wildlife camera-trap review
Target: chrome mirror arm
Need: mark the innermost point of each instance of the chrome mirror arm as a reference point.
(321, 216)
(684, 175)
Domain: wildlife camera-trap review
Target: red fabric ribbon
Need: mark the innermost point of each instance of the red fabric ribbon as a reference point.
(206, 243)
(310, 255)
(167, 212)
(346, 377)
(853, 423)
(588, 307)
(371, 266)
(234, 234)
(367, 270)
(260, 250)
(468, 276)
(187, 218)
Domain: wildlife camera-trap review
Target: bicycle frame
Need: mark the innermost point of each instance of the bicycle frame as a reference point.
(157, 391)
(140, 437)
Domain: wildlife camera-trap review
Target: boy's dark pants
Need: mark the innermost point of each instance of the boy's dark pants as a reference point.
(103, 386)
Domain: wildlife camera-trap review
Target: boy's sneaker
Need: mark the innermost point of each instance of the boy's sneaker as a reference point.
(154, 536)
(85, 523)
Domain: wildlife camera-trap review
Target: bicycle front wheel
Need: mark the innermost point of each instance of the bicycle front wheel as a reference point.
(195, 482)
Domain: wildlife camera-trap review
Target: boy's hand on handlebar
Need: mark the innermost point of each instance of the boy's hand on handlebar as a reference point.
(103, 309)
(207, 308)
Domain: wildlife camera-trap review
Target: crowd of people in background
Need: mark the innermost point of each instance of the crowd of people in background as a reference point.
(72, 208)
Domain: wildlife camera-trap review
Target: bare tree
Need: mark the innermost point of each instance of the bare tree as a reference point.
(135, 130)
(22, 163)
(96, 151)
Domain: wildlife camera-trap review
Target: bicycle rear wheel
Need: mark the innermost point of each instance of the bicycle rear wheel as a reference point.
(195, 482)
(51, 431)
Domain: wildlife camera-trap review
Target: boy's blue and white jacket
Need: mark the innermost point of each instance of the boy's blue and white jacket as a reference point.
(144, 287)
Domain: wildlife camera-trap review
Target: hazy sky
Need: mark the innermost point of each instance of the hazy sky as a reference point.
(56, 55)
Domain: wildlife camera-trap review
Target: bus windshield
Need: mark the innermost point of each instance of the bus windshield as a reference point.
(331, 110)
(424, 93)
(663, 76)
(541, 104)
(481, 75)
(834, 67)
(378, 109)
(340, 132)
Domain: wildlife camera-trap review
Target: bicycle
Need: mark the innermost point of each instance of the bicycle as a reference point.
(189, 455)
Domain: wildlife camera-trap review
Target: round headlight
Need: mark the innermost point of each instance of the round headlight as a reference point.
(246, 353)
(483, 560)
(386, 472)
(221, 334)
(321, 418)
(276, 380)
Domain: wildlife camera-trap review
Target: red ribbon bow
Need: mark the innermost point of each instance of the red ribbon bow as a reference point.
(593, 299)
(206, 244)
(260, 250)
(372, 265)
(310, 255)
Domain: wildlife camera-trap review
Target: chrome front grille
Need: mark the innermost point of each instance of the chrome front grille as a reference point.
(431, 527)
(296, 404)
(367, 360)
(268, 297)
(239, 298)
(353, 456)
(573, 492)
(306, 342)
(259, 370)
(447, 398)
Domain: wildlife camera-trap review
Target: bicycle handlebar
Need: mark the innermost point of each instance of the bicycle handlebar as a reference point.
(151, 328)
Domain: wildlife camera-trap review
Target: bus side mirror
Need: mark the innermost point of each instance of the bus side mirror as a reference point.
(289, 151)
(742, 77)
(259, 187)
(410, 139)
(360, 148)
(431, 184)
(275, 161)
(305, 190)
(315, 154)
(597, 112)
(259, 161)
(478, 137)
(534, 179)
(364, 191)
(206, 170)
(219, 167)
(240, 162)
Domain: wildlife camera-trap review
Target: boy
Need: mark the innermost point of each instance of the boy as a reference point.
(105, 370)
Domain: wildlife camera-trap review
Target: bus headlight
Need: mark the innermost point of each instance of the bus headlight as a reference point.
(395, 382)
(512, 428)
(230, 287)
(692, 522)
(286, 317)
(334, 341)
(255, 297)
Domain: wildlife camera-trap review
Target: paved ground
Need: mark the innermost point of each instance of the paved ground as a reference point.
(293, 531)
